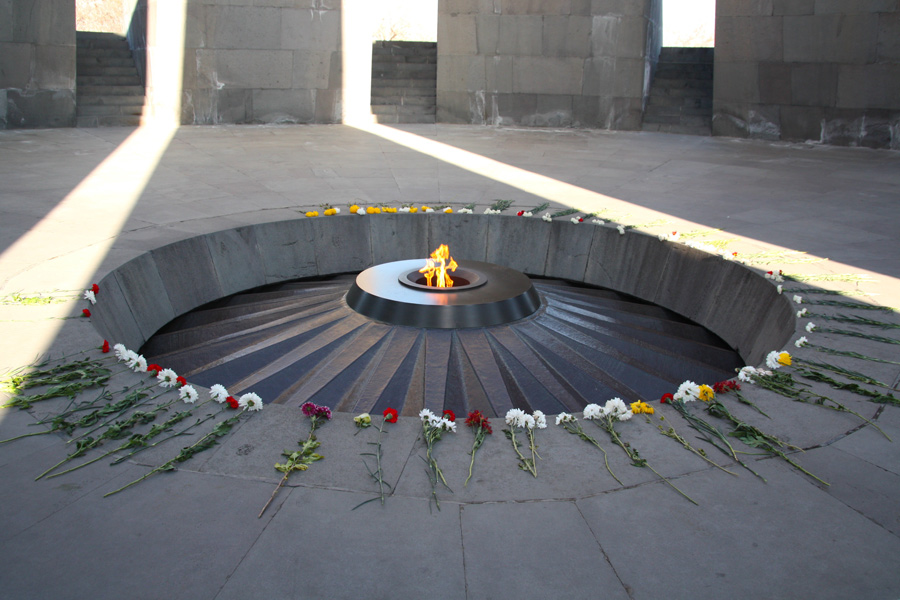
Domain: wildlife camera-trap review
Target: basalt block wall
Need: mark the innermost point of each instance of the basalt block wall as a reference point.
(554, 63)
(37, 63)
(822, 70)
(262, 61)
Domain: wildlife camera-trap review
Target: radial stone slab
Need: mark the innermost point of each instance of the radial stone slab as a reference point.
(300, 341)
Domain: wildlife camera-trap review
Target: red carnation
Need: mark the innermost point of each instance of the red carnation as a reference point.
(105, 347)
(181, 381)
(155, 368)
(85, 312)
(666, 398)
(95, 288)
(448, 414)
(390, 415)
(520, 213)
(232, 402)
(581, 219)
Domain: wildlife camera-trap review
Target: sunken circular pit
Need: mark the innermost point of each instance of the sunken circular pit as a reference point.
(264, 308)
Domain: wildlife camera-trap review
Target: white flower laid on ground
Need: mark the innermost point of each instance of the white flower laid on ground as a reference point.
(810, 327)
(167, 378)
(89, 296)
(489, 211)
(250, 401)
(780, 288)
(463, 211)
(688, 391)
(546, 216)
(598, 222)
(403, 209)
(801, 313)
(360, 211)
(137, 363)
(617, 409)
(527, 213)
(747, 373)
(121, 351)
(432, 429)
(670, 237)
(797, 299)
(801, 342)
(778, 358)
(516, 419)
(188, 394)
(621, 229)
(218, 393)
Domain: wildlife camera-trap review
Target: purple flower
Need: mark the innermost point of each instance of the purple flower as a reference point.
(312, 410)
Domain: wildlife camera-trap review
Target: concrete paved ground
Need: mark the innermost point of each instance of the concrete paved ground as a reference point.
(76, 203)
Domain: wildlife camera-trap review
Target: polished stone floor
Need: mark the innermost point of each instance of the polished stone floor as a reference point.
(76, 203)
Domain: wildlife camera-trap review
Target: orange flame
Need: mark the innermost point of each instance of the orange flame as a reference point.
(437, 266)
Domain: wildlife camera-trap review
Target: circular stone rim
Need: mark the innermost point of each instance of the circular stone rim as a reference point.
(475, 279)
(507, 295)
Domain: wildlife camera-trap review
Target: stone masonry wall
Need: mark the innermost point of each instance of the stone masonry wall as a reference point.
(262, 61)
(823, 70)
(551, 63)
(37, 63)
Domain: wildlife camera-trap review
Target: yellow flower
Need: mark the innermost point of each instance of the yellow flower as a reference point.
(329, 212)
(413, 209)
(312, 213)
(706, 393)
(389, 209)
(785, 359)
(425, 208)
(354, 208)
(370, 210)
(640, 407)
(448, 210)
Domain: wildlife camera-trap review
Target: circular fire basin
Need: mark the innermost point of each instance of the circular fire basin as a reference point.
(489, 294)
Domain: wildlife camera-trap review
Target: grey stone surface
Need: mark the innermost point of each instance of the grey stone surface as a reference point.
(188, 274)
(237, 259)
(198, 526)
(397, 237)
(144, 292)
(520, 243)
(344, 249)
(287, 249)
(505, 557)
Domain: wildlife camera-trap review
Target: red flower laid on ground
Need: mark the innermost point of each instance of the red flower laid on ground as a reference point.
(85, 312)
(449, 415)
(390, 415)
(95, 288)
(721, 387)
(232, 402)
(181, 381)
(105, 347)
(155, 368)
(666, 398)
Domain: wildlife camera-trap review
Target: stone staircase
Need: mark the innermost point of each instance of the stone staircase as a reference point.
(109, 89)
(681, 93)
(404, 82)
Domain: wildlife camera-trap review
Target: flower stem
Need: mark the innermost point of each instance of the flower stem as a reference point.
(275, 491)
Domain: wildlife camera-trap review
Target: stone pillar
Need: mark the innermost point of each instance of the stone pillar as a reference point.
(37, 63)
(262, 61)
(820, 70)
(551, 63)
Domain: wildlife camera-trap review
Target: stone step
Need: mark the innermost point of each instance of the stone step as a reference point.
(108, 121)
(396, 109)
(112, 99)
(106, 80)
(404, 48)
(683, 71)
(393, 59)
(382, 89)
(103, 52)
(408, 119)
(686, 55)
(101, 71)
(109, 90)
(108, 109)
(405, 100)
(669, 83)
(398, 82)
(90, 39)
(90, 62)
(680, 101)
